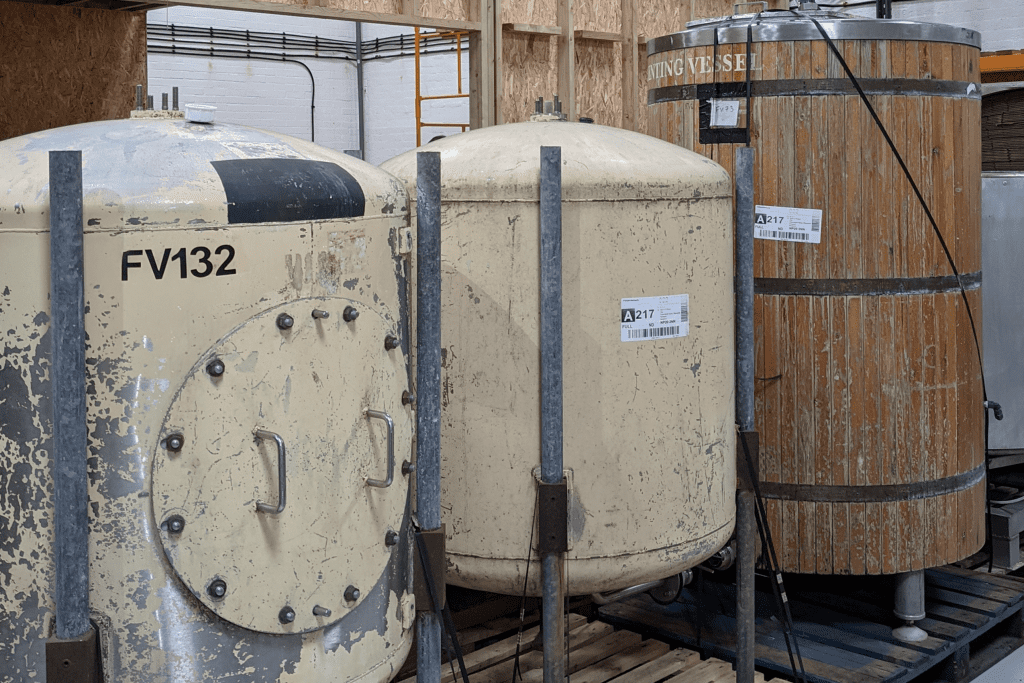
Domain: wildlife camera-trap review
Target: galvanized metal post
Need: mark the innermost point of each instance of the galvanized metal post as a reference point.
(552, 577)
(359, 91)
(428, 388)
(744, 169)
(746, 530)
(67, 327)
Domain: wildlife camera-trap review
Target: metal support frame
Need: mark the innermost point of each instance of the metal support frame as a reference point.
(552, 563)
(428, 388)
(67, 327)
(746, 529)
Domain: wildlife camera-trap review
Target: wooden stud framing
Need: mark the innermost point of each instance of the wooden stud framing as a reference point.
(567, 59)
(630, 87)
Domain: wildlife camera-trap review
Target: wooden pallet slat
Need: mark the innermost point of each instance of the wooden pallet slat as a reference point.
(845, 636)
(619, 662)
(662, 667)
(591, 653)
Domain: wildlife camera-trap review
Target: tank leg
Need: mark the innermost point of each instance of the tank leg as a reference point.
(746, 542)
(910, 606)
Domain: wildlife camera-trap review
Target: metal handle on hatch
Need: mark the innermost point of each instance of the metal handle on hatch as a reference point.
(381, 415)
(267, 507)
(762, 3)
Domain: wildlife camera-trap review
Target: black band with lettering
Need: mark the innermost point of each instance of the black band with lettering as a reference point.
(814, 86)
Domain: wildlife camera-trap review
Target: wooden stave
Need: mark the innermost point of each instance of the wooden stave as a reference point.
(865, 538)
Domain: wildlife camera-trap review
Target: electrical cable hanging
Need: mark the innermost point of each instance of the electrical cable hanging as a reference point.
(986, 404)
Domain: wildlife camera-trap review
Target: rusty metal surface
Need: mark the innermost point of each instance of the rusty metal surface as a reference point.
(150, 194)
(74, 660)
(553, 517)
(878, 493)
(866, 286)
(431, 544)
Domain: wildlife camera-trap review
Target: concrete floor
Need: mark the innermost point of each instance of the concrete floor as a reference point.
(1009, 670)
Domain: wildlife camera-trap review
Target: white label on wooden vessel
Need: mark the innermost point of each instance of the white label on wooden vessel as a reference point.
(725, 113)
(655, 317)
(787, 224)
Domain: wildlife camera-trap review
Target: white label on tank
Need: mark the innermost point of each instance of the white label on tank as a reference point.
(787, 224)
(725, 113)
(655, 317)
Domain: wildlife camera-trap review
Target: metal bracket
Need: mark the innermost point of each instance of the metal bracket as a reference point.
(432, 544)
(753, 441)
(553, 517)
(75, 660)
(716, 136)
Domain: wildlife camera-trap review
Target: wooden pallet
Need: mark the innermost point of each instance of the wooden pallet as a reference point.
(845, 634)
(597, 654)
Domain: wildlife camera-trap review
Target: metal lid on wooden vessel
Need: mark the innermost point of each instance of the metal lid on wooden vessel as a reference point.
(795, 25)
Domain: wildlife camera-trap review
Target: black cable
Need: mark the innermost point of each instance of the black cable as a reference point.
(248, 55)
(443, 613)
(526, 583)
(935, 228)
(778, 587)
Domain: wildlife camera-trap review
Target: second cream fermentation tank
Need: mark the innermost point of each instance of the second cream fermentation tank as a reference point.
(648, 354)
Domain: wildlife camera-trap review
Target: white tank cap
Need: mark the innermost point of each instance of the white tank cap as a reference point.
(199, 113)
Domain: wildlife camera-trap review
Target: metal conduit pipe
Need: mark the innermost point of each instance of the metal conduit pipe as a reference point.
(359, 90)
(721, 560)
(245, 55)
(746, 528)
(428, 388)
(615, 596)
(551, 467)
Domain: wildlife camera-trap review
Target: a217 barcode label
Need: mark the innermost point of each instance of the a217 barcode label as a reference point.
(655, 317)
(787, 224)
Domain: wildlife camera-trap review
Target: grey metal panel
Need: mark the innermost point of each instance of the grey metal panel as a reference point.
(786, 26)
(1002, 253)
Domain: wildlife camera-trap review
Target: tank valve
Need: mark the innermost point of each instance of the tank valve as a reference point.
(320, 315)
(215, 367)
(351, 594)
(286, 615)
(175, 442)
(321, 611)
(391, 342)
(217, 589)
(391, 538)
(285, 321)
(349, 314)
(175, 524)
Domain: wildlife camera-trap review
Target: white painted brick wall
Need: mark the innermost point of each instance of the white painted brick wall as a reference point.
(1000, 22)
(276, 96)
(390, 86)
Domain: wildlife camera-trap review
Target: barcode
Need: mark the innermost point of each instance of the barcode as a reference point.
(684, 311)
(782, 235)
(657, 331)
(815, 224)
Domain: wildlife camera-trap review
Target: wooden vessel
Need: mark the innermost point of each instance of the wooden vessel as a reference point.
(869, 398)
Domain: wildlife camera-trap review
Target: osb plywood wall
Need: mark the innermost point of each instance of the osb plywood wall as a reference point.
(530, 68)
(60, 66)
